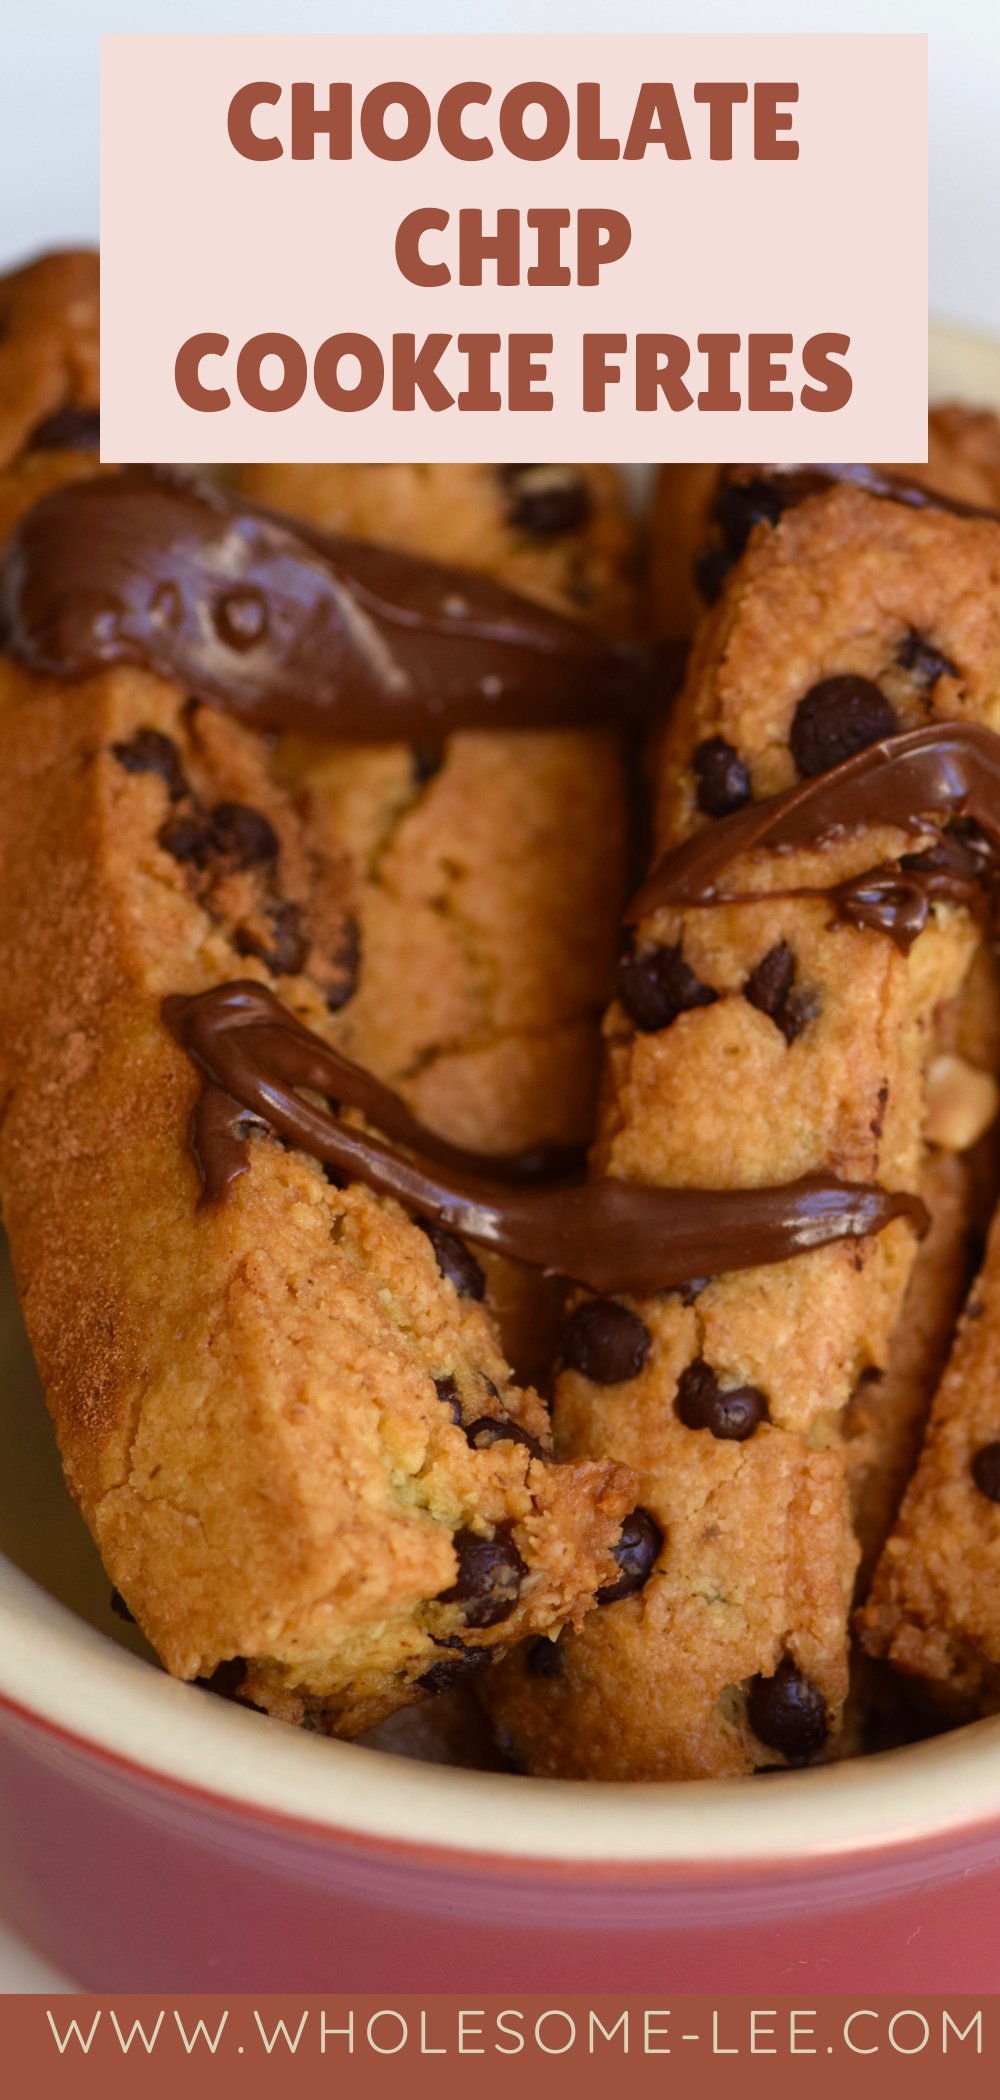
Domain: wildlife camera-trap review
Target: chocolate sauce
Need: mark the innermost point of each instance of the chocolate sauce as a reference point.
(948, 769)
(793, 484)
(609, 1235)
(287, 627)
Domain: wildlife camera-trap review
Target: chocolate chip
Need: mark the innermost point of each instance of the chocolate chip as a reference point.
(427, 759)
(455, 1260)
(788, 1713)
(606, 1342)
(657, 986)
(242, 836)
(740, 505)
(149, 752)
(770, 988)
(489, 1578)
(548, 501)
(188, 839)
(447, 1391)
(688, 1292)
(701, 1404)
(710, 572)
(347, 963)
(836, 719)
(491, 1429)
(120, 1608)
(226, 1679)
(287, 952)
(640, 1543)
(455, 1669)
(925, 665)
(240, 618)
(72, 430)
(986, 1471)
(545, 1658)
(490, 1387)
(721, 778)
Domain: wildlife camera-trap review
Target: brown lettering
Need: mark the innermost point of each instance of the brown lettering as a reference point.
(720, 96)
(719, 349)
(241, 132)
(307, 120)
(657, 100)
(652, 377)
(475, 248)
(418, 121)
(521, 371)
(411, 370)
(591, 252)
(589, 143)
(293, 384)
(762, 373)
(480, 351)
(326, 378)
(837, 383)
(768, 120)
(597, 373)
(512, 130)
(429, 219)
(450, 133)
(550, 268)
(187, 379)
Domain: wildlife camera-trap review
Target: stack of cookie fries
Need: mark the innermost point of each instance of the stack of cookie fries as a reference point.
(315, 832)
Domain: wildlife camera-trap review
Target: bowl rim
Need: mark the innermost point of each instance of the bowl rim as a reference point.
(69, 1684)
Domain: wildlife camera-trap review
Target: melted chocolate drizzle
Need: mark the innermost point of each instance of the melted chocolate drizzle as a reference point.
(795, 483)
(287, 627)
(610, 1235)
(948, 769)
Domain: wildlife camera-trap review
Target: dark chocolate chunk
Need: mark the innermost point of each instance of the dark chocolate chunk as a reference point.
(701, 1404)
(149, 752)
(447, 1391)
(188, 839)
(771, 989)
(640, 1543)
(606, 1342)
(347, 963)
(71, 430)
(243, 837)
(925, 665)
(456, 1668)
(455, 1260)
(545, 1658)
(836, 719)
(286, 954)
(120, 1608)
(656, 986)
(721, 778)
(489, 1578)
(240, 618)
(548, 501)
(788, 1713)
(490, 1387)
(491, 1429)
(986, 1471)
(226, 1679)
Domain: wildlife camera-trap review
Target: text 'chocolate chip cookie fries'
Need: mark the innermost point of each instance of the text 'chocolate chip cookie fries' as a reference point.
(829, 817)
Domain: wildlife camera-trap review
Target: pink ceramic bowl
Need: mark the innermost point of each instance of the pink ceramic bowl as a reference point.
(153, 1837)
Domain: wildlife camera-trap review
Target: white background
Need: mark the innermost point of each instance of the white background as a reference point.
(49, 153)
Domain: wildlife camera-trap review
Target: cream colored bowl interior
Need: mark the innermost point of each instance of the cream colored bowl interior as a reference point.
(66, 1658)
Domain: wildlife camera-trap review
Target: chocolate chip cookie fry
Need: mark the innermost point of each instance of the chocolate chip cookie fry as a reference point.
(49, 378)
(933, 1608)
(488, 867)
(704, 515)
(776, 1016)
(283, 1410)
